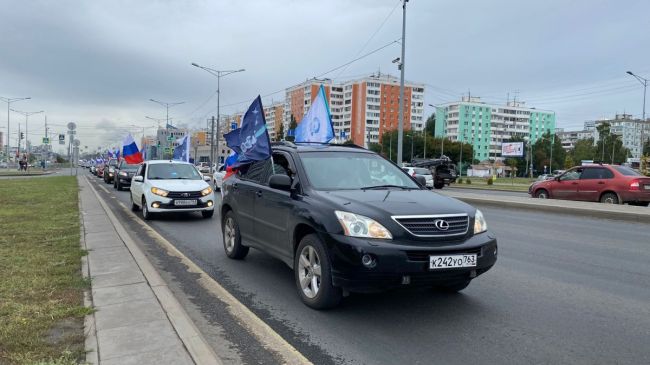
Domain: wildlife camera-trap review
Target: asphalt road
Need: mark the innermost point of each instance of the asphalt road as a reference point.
(565, 290)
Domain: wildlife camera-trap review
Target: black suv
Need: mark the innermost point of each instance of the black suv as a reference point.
(348, 220)
(109, 170)
(123, 174)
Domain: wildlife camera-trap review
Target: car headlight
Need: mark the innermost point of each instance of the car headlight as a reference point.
(206, 191)
(480, 225)
(160, 192)
(356, 225)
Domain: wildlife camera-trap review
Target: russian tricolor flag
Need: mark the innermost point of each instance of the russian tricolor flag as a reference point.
(130, 152)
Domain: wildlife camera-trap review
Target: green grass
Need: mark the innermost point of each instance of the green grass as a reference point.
(41, 290)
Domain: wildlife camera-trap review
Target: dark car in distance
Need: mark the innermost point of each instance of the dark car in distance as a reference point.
(596, 183)
(109, 170)
(123, 174)
(347, 220)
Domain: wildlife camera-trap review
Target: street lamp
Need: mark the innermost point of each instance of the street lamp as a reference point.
(9, 101)
(643, 82)
(218, 74)
(167, 105)
(27, 114)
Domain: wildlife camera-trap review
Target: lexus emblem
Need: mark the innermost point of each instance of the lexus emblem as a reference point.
(442, 225)
(185, 195)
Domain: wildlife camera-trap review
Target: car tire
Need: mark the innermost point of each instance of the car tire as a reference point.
(232, 238)
(207, 213)
(542, 194)
(454, 287)
(438, 185)
(146, 214)
(134, 207)
(313, 274)
(609, 198)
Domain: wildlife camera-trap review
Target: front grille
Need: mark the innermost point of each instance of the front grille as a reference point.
(433, 226)
(184, 194)
(424, 255)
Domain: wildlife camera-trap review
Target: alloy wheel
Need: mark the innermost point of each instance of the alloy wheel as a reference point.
(229, 234)
(309, 271)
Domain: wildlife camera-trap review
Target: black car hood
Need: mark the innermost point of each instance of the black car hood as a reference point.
(373, 203)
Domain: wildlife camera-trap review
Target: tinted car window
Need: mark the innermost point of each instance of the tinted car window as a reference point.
(596, 173)
(129, 167)
(258, 172)
(626, 171)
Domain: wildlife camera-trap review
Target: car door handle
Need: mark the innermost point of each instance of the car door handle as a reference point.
(259, 193)
(574, 183)
(601, 183)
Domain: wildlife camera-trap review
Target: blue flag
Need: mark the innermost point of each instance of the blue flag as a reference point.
(316, 126)
(251, 141)
(182, 152)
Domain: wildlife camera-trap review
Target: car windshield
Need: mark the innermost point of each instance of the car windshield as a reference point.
(353, 171)
(626, 171)
(172, 171)
(112, 163)
(129, 167)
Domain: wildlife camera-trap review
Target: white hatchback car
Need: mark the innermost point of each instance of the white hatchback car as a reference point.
(161, 186)
(218, 176)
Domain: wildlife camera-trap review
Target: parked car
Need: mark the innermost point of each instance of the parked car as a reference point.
(170, 186)
(217, 177)
(545, 177)
(598, 183)
(123, 174)
(109, 170)
(348, 220)
(421, 171)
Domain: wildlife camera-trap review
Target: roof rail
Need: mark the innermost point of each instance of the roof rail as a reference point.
(283, 143)
(351, 145)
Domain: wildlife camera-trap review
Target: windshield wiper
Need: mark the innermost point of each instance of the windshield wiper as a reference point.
(385, 187)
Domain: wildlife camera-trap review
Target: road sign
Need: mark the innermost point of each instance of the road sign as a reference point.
(61, 138)
(233, 125)
(46, 140)
(72, 126)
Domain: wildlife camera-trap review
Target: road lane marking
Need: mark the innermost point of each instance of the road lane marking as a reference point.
(270, 339)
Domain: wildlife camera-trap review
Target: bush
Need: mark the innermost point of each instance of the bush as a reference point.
(460, 180)
(469, 182)
(490, 180)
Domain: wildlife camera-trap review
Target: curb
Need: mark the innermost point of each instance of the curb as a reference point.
(192, 339)
(632, 214)
(91, 345)
(457, 186)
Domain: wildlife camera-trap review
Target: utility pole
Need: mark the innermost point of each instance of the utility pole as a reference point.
(425, 141)
(400, 125)
(212, 141)
(27, 114)
(643, 82)
(9, 101)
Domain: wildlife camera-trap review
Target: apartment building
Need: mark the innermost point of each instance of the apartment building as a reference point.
(487, 126)
(631, 131)
(361, 109)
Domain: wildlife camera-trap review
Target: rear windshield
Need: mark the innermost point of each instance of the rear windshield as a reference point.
(626, 171)
(421, 171)
(126, 166)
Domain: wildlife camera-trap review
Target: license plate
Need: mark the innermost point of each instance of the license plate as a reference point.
(185, 202)
(452, 261)
(646, 187)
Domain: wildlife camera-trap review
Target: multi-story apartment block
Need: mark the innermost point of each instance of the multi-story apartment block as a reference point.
(274, 115)
(631, 131)
(363, 109)
(487, 126)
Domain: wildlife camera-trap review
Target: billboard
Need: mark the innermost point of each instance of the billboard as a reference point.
(512, 149)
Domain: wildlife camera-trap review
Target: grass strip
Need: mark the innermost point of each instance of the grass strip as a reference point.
(41, 290)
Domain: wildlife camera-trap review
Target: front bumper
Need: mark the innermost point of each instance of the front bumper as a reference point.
(167, 205)
(402, 265)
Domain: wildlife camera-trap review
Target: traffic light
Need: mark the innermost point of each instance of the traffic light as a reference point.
(22, 135)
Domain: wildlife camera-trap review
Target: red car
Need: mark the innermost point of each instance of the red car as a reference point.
(596, 183)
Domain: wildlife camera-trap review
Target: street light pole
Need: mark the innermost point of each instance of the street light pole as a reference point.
(643, 82)
(27, 114)
(218, 74)
(167, 105)
(9, 101)
(400, 125)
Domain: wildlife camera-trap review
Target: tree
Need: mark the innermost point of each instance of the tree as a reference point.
(280, 135)
(583, 149)
(646, 148)
(542, 152)
(292, 127)
(610, 147)
(568, 162)
(431, 125)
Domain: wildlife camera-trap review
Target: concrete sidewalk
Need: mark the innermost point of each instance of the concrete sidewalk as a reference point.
(131, 325)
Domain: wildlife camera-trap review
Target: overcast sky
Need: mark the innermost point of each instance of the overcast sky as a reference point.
(97, 63)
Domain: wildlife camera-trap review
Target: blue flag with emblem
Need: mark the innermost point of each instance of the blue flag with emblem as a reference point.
(182, 152)
(316, 126)
(251, 141)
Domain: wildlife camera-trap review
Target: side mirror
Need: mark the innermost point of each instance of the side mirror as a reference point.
(138, 178)
(207, 178)
(421, 180)
(280, 182)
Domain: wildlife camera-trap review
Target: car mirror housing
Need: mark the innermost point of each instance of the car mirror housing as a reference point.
(280, 182)
(138, 178)
(207, 178)
(421, 180)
